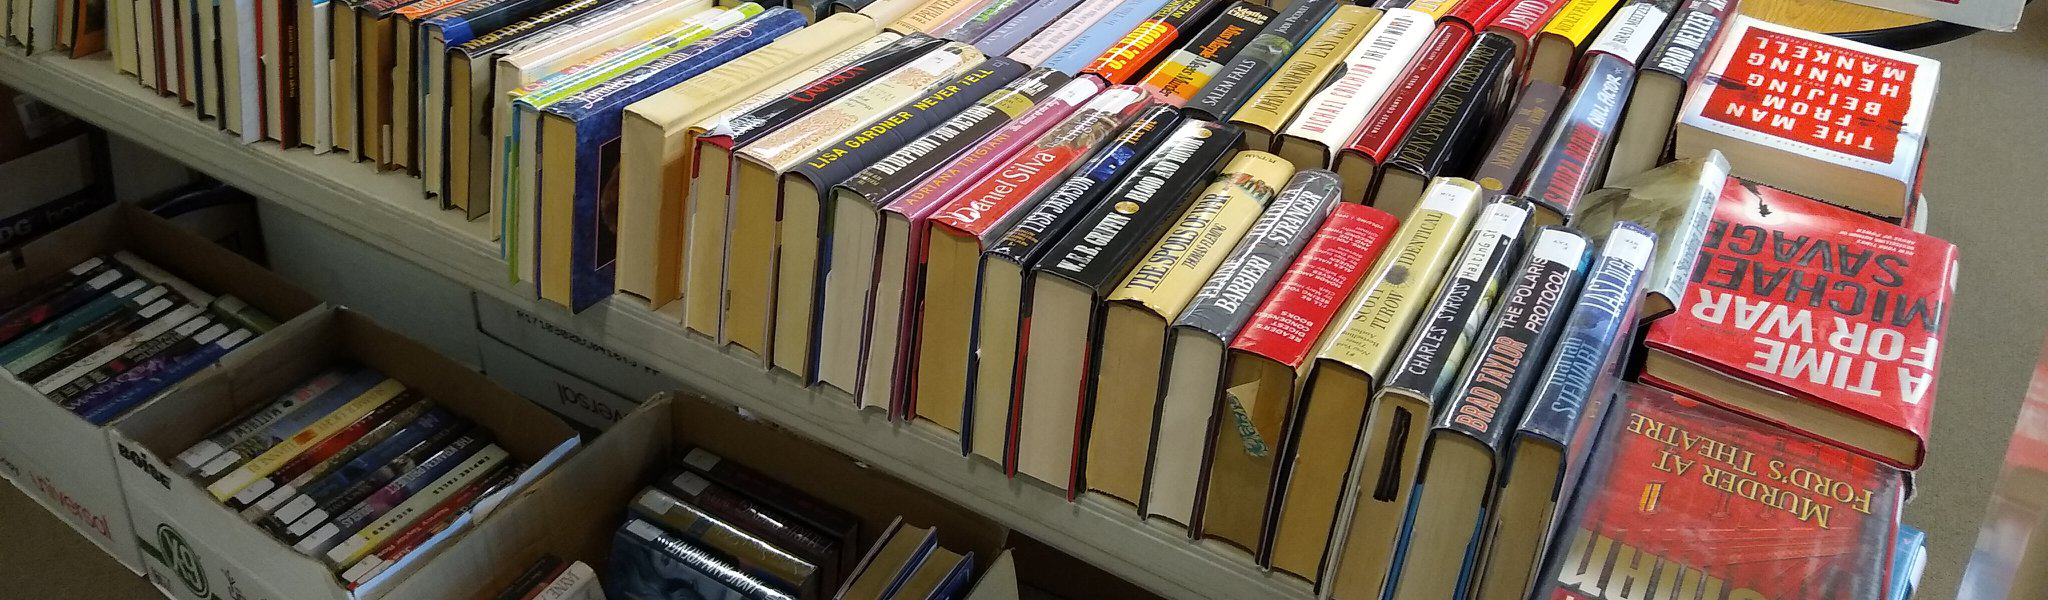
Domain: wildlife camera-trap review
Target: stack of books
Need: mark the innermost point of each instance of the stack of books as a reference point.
(353, 468)
(1345, 288)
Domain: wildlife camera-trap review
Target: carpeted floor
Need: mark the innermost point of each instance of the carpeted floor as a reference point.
(1988, 135)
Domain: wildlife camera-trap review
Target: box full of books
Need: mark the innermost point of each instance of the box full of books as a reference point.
(102, 317)
(338, 461)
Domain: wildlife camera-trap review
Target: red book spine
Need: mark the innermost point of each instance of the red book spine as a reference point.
(1796, 295)
(1523, 19)
(1477, 14)
(1389, 121)
(1292, 318)
(1045, 160)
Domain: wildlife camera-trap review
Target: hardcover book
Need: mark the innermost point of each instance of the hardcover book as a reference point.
(1558, 47)
(1461, 461)
(1550, 449)
(1136, 52)
(647, 562)
(1101, 34)
(1026, 24)
(985, 21)
(1514, 145)
(1853, 361)
(1322, 125)
(1820, 521)
(712, 175)
(444, 42)
(1138, 313)
(1446, 136)
(1677, 202)
(787, 501)
(861, 209)
(1235, 82)
(760, 215)
(1388, 122)
(958, 16)
(898, 306)
(579, 155)
(1320, 482)
(1070, 281)
(1522, 21)
(1267, 111)
(1053, 38)
(725, 504)
(750, 553)
(976, 218)
(1437, 9)
(1188, 69)
(1573, 157)
(1199, 341)
(1001, 309)
(808, 202)
(927, 15)
(1630, 30)
(1867, 159)
(1671, 67)
(657, 150)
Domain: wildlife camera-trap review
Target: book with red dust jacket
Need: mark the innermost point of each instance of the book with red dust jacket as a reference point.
(1817, 302)
(1686, 500)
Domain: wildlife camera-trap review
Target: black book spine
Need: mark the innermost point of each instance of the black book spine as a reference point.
(500, 35)
(1230, 296)
(850, 154)
(906, 167)
(647, 562)
(1065, 203)
(1463, 301)
(1109, 240)
(753, 517)
(1488, 400)
(766, 119)
(1257, 60)
(1682, 47)
(1573, 156)
(790, 501)
(1445, 136)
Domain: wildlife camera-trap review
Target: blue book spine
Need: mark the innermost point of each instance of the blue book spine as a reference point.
(1012, 33)
(145, 380)
(1909, 558)
(597, 114)
(383, 453)
(1584, 365)
(954, 585)
(1099, 36)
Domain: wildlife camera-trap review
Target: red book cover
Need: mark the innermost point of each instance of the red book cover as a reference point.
(1389, 120)
(1522, 20)
(1308, 295)
(1477, 14)
(1825, 305)
(1685, 500)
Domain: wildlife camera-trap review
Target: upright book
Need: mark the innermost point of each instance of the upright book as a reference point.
(1322, 125)
(1070, 281)
(1446, 137)
(1001, 311)
(1138, 313)
(871, 229)
(1236, 80)
(1571, 159)
(973, 220)
(1464, 455)
(1676, 201)
(1867, 159)
(1138, 49)
(1267, 111)
(1657, 490)
(1853, 360)
(1549, 450)
(445, 49)
(1507, 162)
(1189, 68)
(1671, 67)
(1375, 139)
(1101, 34)
(1319, 487)
(1191, 379)
(1557, 48)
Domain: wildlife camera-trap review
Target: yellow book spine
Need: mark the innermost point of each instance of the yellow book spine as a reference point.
(268, 462)
(1376, 319)
(1291, 85)
(1178, 264)
(929, 14)
(1436, 8)
(1577, 20)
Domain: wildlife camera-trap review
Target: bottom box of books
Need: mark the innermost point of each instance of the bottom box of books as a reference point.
(336, 463)
(687, 498)
(99, 318)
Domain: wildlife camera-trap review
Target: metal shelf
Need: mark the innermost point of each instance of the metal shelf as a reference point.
(386, 210)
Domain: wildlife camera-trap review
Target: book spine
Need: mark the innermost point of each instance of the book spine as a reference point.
(31, 298)
(1523, 19)
(889, 177)
(664, 555)
(228, 485)
(1629, 32)
(1128, 56)
(28, 318)
(1226, 301)
(1461, 110)
(1170, 274)
(1390, 120)
(1576, 22)
(1106, 243)
(605, 70)
(686, 61)
(1290, 320)
(463, 38)
(61, 332)
(1023, 26)
(1052, 155)
(840, 161)
(370, 452)
(789, 147)
(993, 151)
(146, 379)
(1476, 14)
(125, 325)
(1685, 43)
(986, 21)
(1050, 216)
(752, 555)
(1578, 377)
(333, 531)
(65, 386)
(753, 517)
(762, 120)
(353, 548)
(1186, 70)
(1437, 348)
(336, 450)
(1039, 48)
(1330, 115)
(1100, 35)
(1246, 72)
(1268, 109)
(321, 397)
(1505, 162)
(787, 500)
(1377, 318)
(1493, 388)
(363, 476)
(431, 524)
(1575, 152)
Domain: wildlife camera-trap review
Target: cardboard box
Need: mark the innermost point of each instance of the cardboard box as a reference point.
(574, 512)
(564, 349)
(62, 461)
(580, 401)
(202, 550)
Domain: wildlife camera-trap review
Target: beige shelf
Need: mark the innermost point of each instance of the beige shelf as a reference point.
(386, 210)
